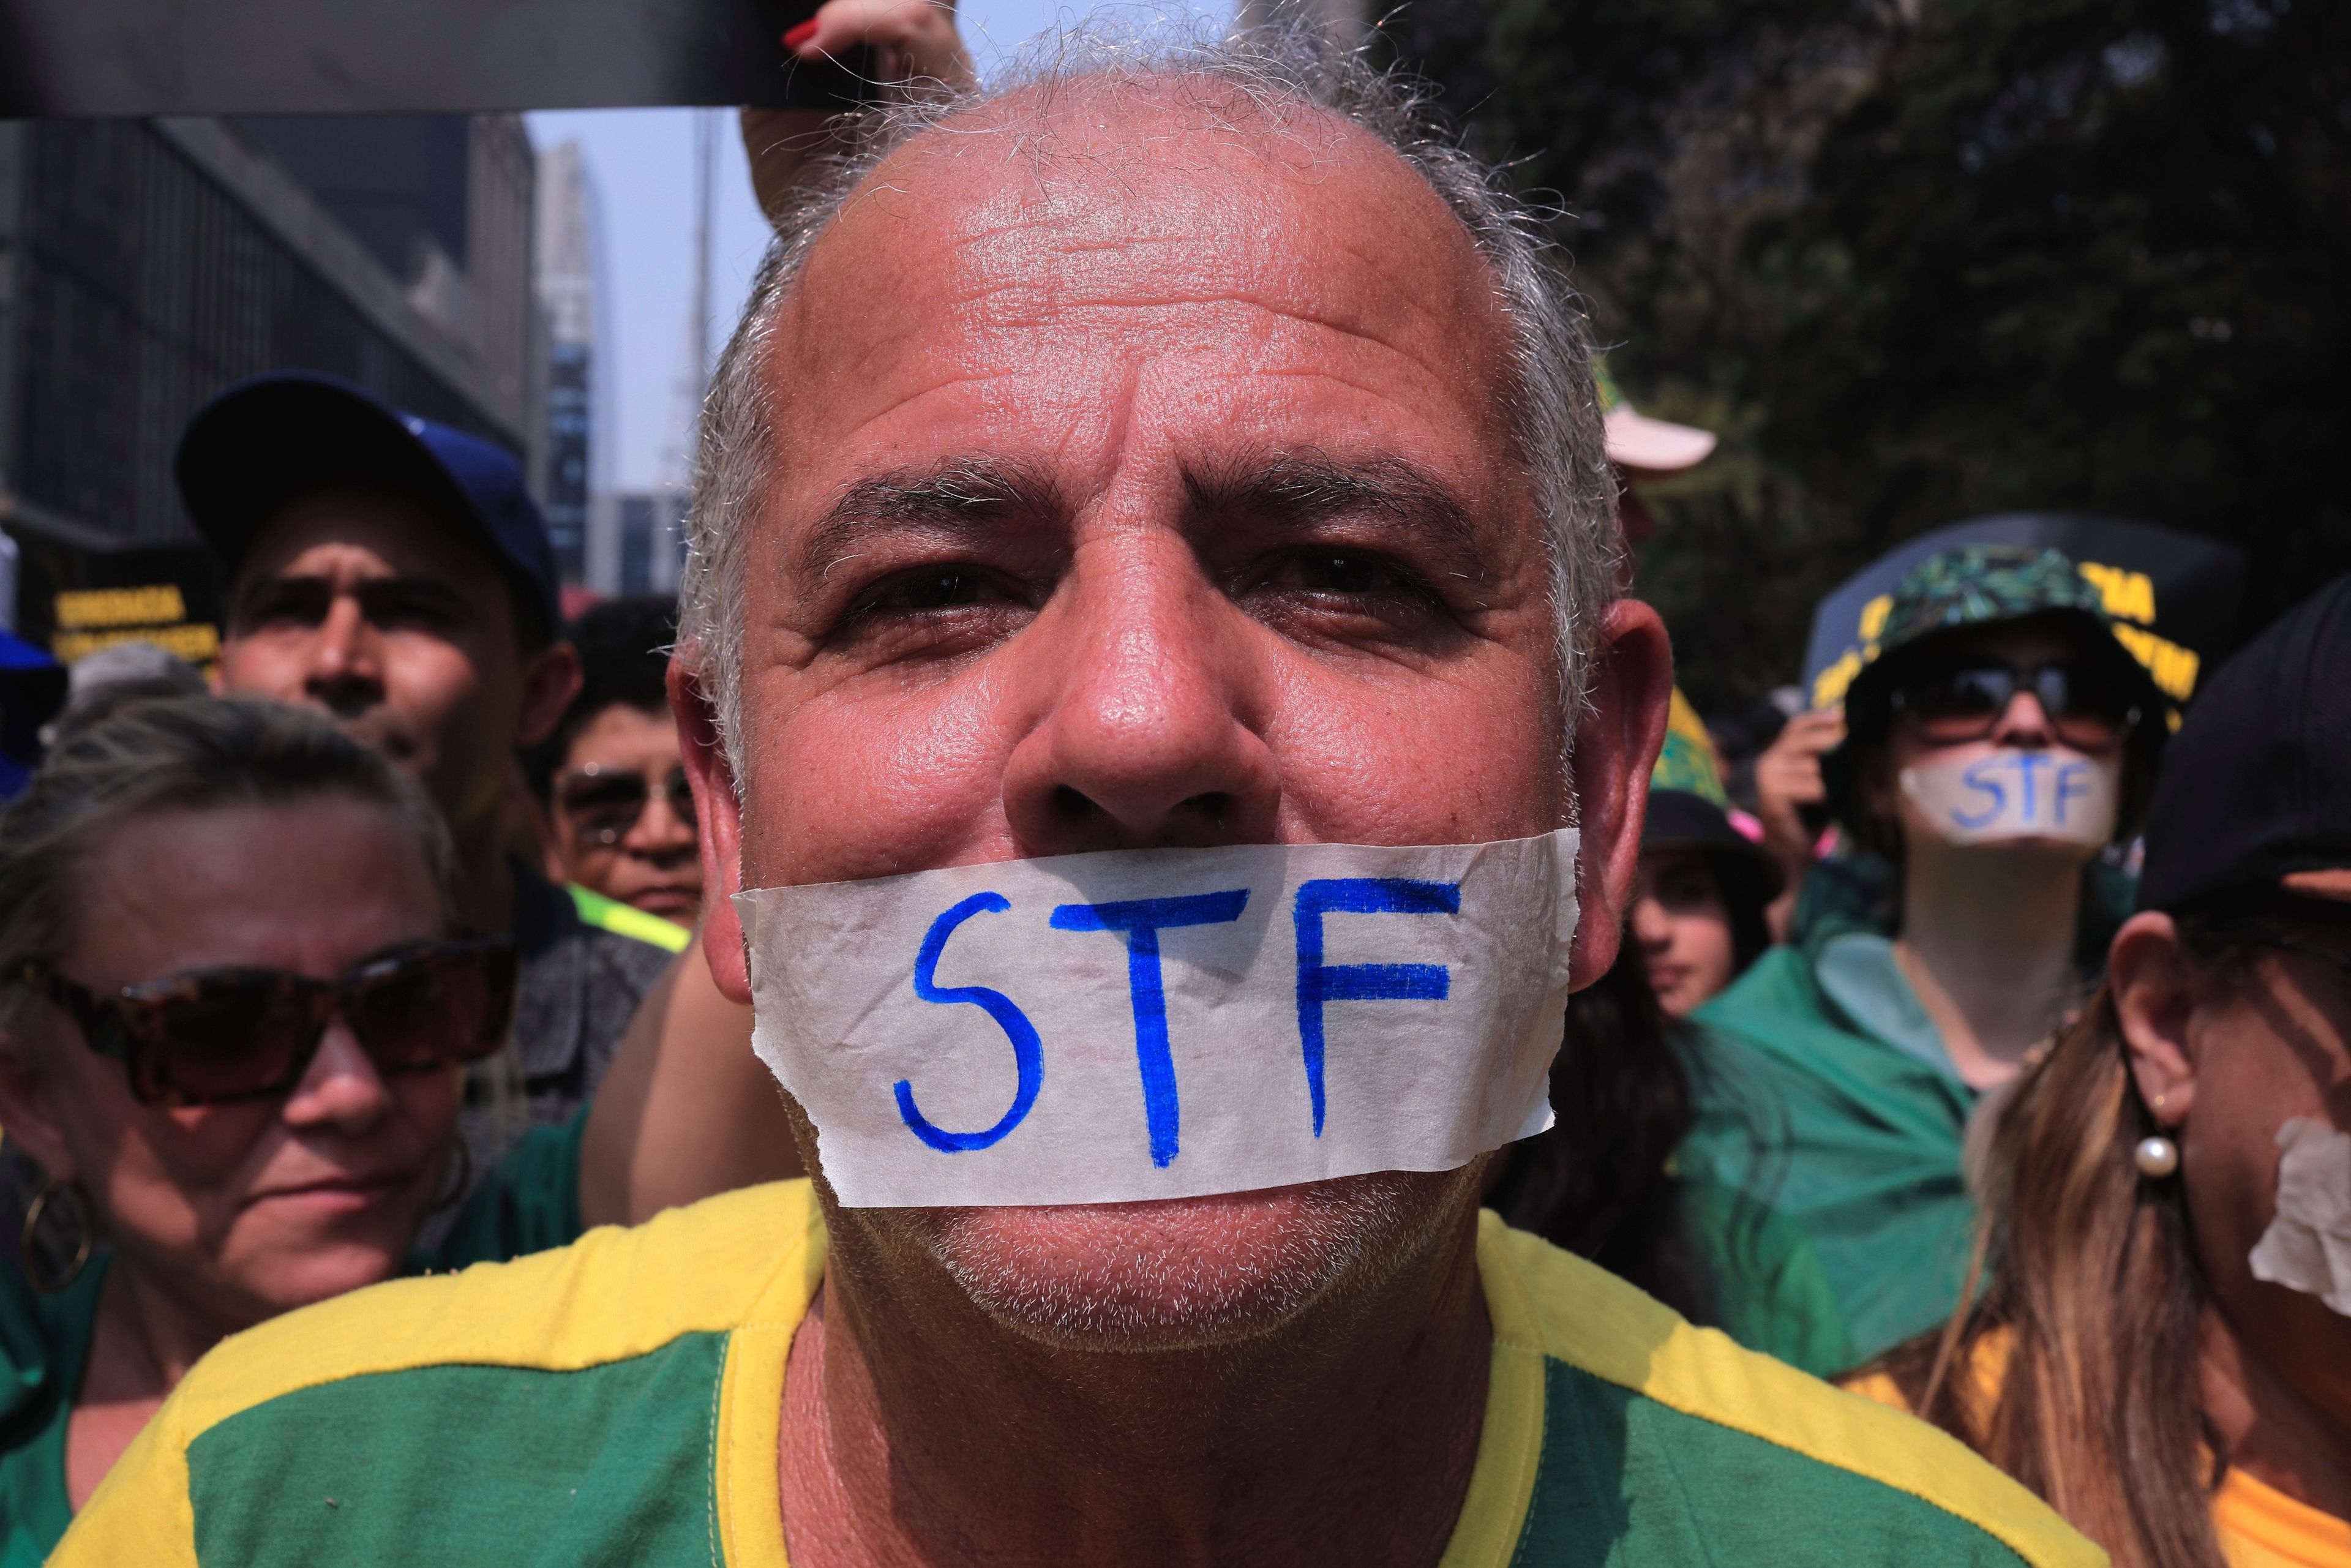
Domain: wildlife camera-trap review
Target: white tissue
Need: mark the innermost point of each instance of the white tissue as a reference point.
(2012, 794)
(1022, 1079)
(2308, 1246)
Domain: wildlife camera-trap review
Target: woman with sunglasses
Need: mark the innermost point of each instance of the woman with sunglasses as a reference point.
(234, 1022)
(620, 816)
(1996, 745)
(2163, 1350)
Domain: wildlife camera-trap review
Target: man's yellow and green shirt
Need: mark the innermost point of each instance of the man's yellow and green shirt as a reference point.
(617, 1401)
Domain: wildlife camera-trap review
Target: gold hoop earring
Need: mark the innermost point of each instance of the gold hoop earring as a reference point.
(465, 1181)
(84, 1240)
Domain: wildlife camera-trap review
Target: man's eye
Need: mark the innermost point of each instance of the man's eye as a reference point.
(939, 590)
(424, 613)
(927, 590)
(1339, 571)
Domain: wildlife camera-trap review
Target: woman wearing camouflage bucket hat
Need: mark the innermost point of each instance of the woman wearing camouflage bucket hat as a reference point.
(1997, 742)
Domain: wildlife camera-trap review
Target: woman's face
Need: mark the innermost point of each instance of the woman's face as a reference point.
(2264, 1048)
(619, 825)
(2023, 725)
(250, 1208)
(1683, 927)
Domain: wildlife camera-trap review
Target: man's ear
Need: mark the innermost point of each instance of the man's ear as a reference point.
(2155, 985)
(1616, 743)
(718, 824)
(24, 1108)
(550, 679)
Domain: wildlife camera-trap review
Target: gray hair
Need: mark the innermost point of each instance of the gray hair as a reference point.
(194, 753)
(1552, 408)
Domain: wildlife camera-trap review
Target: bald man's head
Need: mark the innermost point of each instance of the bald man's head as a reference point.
(1106, 152)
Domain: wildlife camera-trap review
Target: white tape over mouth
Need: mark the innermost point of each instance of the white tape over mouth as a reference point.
(1165, 1023)
(2308, 1246)
(2011, 794)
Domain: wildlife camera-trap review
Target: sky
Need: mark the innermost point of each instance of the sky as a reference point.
(643, 162)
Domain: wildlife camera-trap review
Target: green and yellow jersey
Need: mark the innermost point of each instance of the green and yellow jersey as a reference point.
(617, 1401)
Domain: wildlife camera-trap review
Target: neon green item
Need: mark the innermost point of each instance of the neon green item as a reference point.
(626, 920)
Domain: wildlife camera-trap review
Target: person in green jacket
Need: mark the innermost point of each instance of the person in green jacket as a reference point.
(236, 1010)
(1602, 1182)
(1998, 741)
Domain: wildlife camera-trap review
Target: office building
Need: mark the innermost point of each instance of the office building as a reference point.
(144, 265)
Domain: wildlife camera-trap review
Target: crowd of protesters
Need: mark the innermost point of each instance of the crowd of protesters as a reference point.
(408, 943)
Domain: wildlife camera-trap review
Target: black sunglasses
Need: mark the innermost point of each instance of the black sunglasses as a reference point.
(603, 805)
(221, 1035)
(2086, 705)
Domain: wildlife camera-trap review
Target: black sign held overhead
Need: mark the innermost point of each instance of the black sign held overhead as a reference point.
(339, 56)
(2173, 596)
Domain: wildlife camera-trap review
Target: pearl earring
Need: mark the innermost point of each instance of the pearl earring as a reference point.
(2158, 1157)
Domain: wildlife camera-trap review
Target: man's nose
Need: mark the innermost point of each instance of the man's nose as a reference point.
(346, 664)
(2024, 724)
(660, 828)
(1153, 708)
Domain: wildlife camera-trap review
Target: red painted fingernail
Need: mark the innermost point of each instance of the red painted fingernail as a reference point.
(800, 35)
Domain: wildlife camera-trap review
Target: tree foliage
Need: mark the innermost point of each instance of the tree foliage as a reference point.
(1923, 260)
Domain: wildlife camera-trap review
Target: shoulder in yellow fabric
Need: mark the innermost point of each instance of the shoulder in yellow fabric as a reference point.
(617, 1401)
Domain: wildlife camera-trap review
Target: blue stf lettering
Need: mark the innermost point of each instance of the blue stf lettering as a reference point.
(1027, 1053)
(1320, 983)
(1138, 922)
(2026, 761)
(1979, 779)
(2072, 784)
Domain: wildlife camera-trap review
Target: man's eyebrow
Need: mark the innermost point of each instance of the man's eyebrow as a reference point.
(1301, 488)
(963, 497)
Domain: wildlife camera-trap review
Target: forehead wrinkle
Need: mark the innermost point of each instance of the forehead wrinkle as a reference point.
(981, 204)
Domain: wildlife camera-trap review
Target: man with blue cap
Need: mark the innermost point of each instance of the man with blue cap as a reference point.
(395, 574)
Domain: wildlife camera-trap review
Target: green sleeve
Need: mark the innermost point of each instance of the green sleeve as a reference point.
(530, 1202)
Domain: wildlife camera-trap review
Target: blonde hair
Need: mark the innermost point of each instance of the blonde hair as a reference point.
(2074, 1370)
(180, 754)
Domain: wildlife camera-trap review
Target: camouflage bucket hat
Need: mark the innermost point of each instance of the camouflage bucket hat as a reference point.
(1980, 585)
(1984, 584)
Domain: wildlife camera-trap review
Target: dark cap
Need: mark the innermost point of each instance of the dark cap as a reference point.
(2255, 796)
(265, 440)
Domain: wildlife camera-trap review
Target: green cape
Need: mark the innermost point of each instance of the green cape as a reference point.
(1836, 1128)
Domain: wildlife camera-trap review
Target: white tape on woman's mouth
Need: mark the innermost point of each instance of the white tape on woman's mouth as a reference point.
(2011, 794)
(1165, 1023)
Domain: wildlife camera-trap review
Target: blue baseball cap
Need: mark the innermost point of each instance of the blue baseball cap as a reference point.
(271, 438)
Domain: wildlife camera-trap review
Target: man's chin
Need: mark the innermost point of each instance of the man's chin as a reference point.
(1191, 1273)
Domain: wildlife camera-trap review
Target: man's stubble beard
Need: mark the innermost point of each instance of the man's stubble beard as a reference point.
(1185, 1274)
